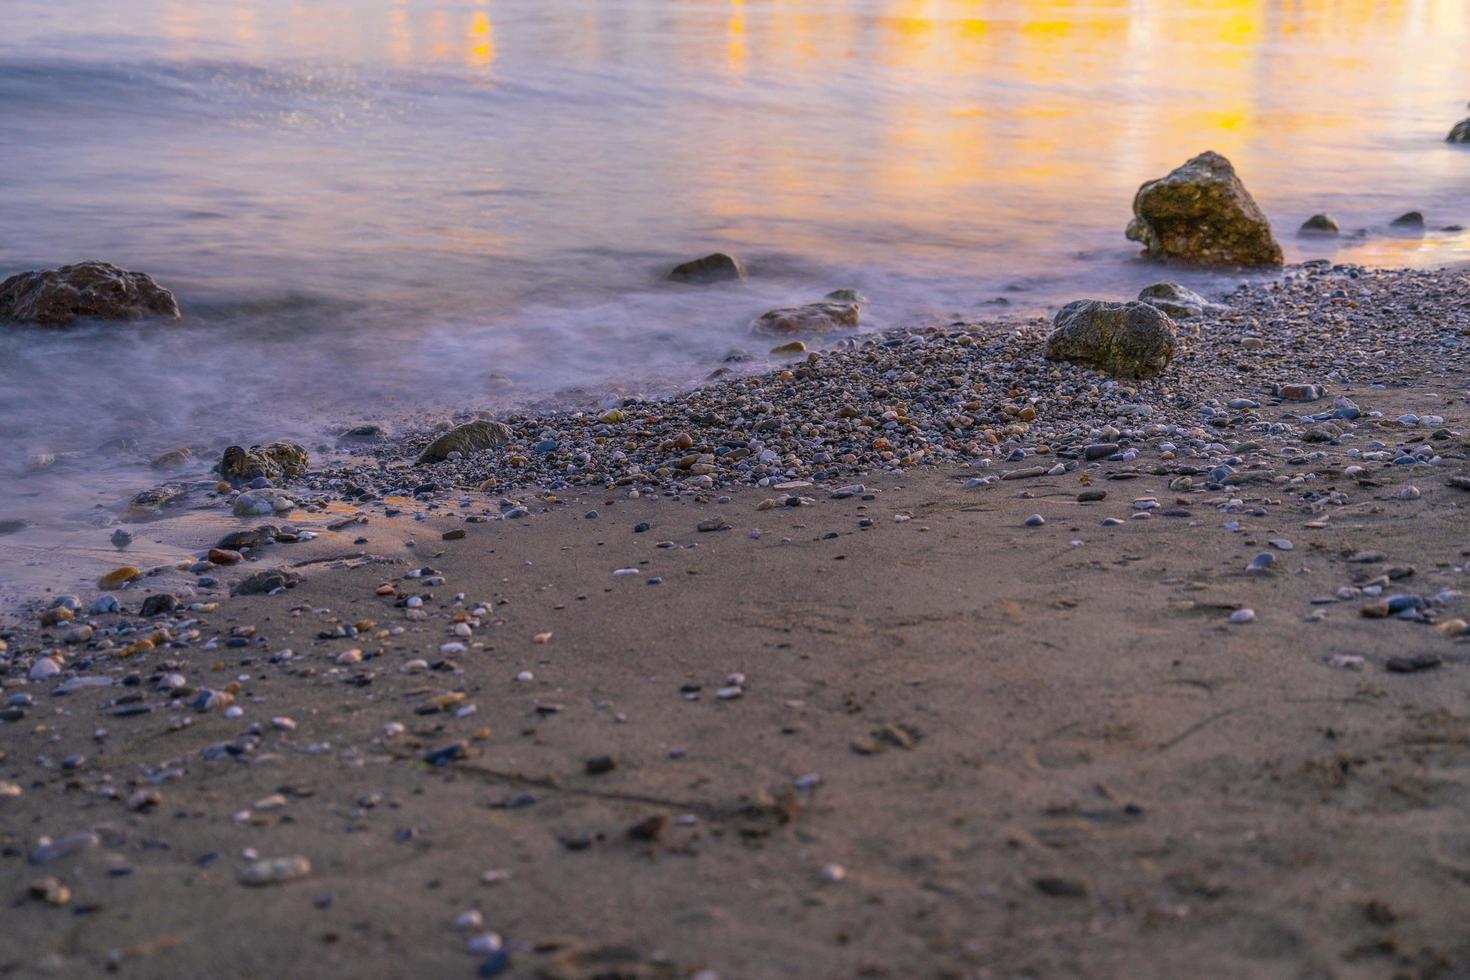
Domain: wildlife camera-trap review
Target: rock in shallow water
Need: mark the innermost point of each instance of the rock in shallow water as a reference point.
(1202, 214)
(1129, 340)
(839, 310)
(1460, 133)
(1318, 226)
(57, 297)
(715, 267)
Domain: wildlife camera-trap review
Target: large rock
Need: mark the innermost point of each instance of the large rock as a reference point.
(715, 267)
(839, 310)
(1202, 214)
(56, 297)
(1129, 340)
(1461, 132)
(279, 459)
(466, 439)
(1178, 302)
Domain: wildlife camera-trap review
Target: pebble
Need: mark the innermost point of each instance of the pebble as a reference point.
(274, 871)
(1035, 520)
(1241, 616)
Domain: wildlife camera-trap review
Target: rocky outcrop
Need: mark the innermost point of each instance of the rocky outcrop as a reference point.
(1319, 226)
(1461, 132)
(56, 297)
(715, 267)
(472, 437)
(1128, 340)
(1178, 302)
(274, 462)
(1202, 214)
(839, 310)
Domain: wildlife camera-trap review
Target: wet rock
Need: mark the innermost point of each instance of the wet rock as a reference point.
(149, 504)
(840, 310)
(1408, 221)
(173, 459)
(266, 581)
(715, 267)
(121, 539)
(1176, 301)
(278, 460)
(1129, 340)
(1202, 214)
(1460, 133)
(1318, 226)
(57, 297)
(472, 437)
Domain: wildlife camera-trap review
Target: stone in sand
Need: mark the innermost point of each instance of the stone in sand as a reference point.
(1319, 226)
(56, 297)
(267, 581)
(1129, 340)
(1202, 214)
(1460, 133)
(279, 459)
(1176, 301)
(466, 439)
(715, 267)
(839, 310)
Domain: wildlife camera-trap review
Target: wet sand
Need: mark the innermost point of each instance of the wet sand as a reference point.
(1028, 756)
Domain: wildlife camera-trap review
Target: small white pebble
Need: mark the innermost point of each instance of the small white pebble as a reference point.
(1243, 616)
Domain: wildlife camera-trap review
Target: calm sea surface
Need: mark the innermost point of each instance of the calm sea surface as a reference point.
(384, 206)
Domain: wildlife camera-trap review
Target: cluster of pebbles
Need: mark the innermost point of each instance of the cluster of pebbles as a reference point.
(1262, 373)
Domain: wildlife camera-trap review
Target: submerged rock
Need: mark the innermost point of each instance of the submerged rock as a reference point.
(466, 439)
(1409, 221)
(839, 310)
(1178, 302)
(715, 267)
(1460, 133)
(1319, 226)
(56, 297)
(279, 459)
(1129, 340)
(1202, 214)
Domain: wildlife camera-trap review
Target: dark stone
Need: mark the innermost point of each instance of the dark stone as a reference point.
(159, 605)
(1409, 220)
(715, 267)
(1319, 226)
(56, 297)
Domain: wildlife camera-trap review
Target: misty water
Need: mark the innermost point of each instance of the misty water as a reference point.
(379, 209)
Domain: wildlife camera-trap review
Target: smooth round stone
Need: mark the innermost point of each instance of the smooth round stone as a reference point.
(43, 668)
(1261, 563)
(1035, 520)
(1111, 522)
(1241, 616)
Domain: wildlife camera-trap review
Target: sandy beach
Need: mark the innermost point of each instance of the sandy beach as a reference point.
(884, 723)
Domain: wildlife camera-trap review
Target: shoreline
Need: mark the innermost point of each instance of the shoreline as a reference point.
(735, 740)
